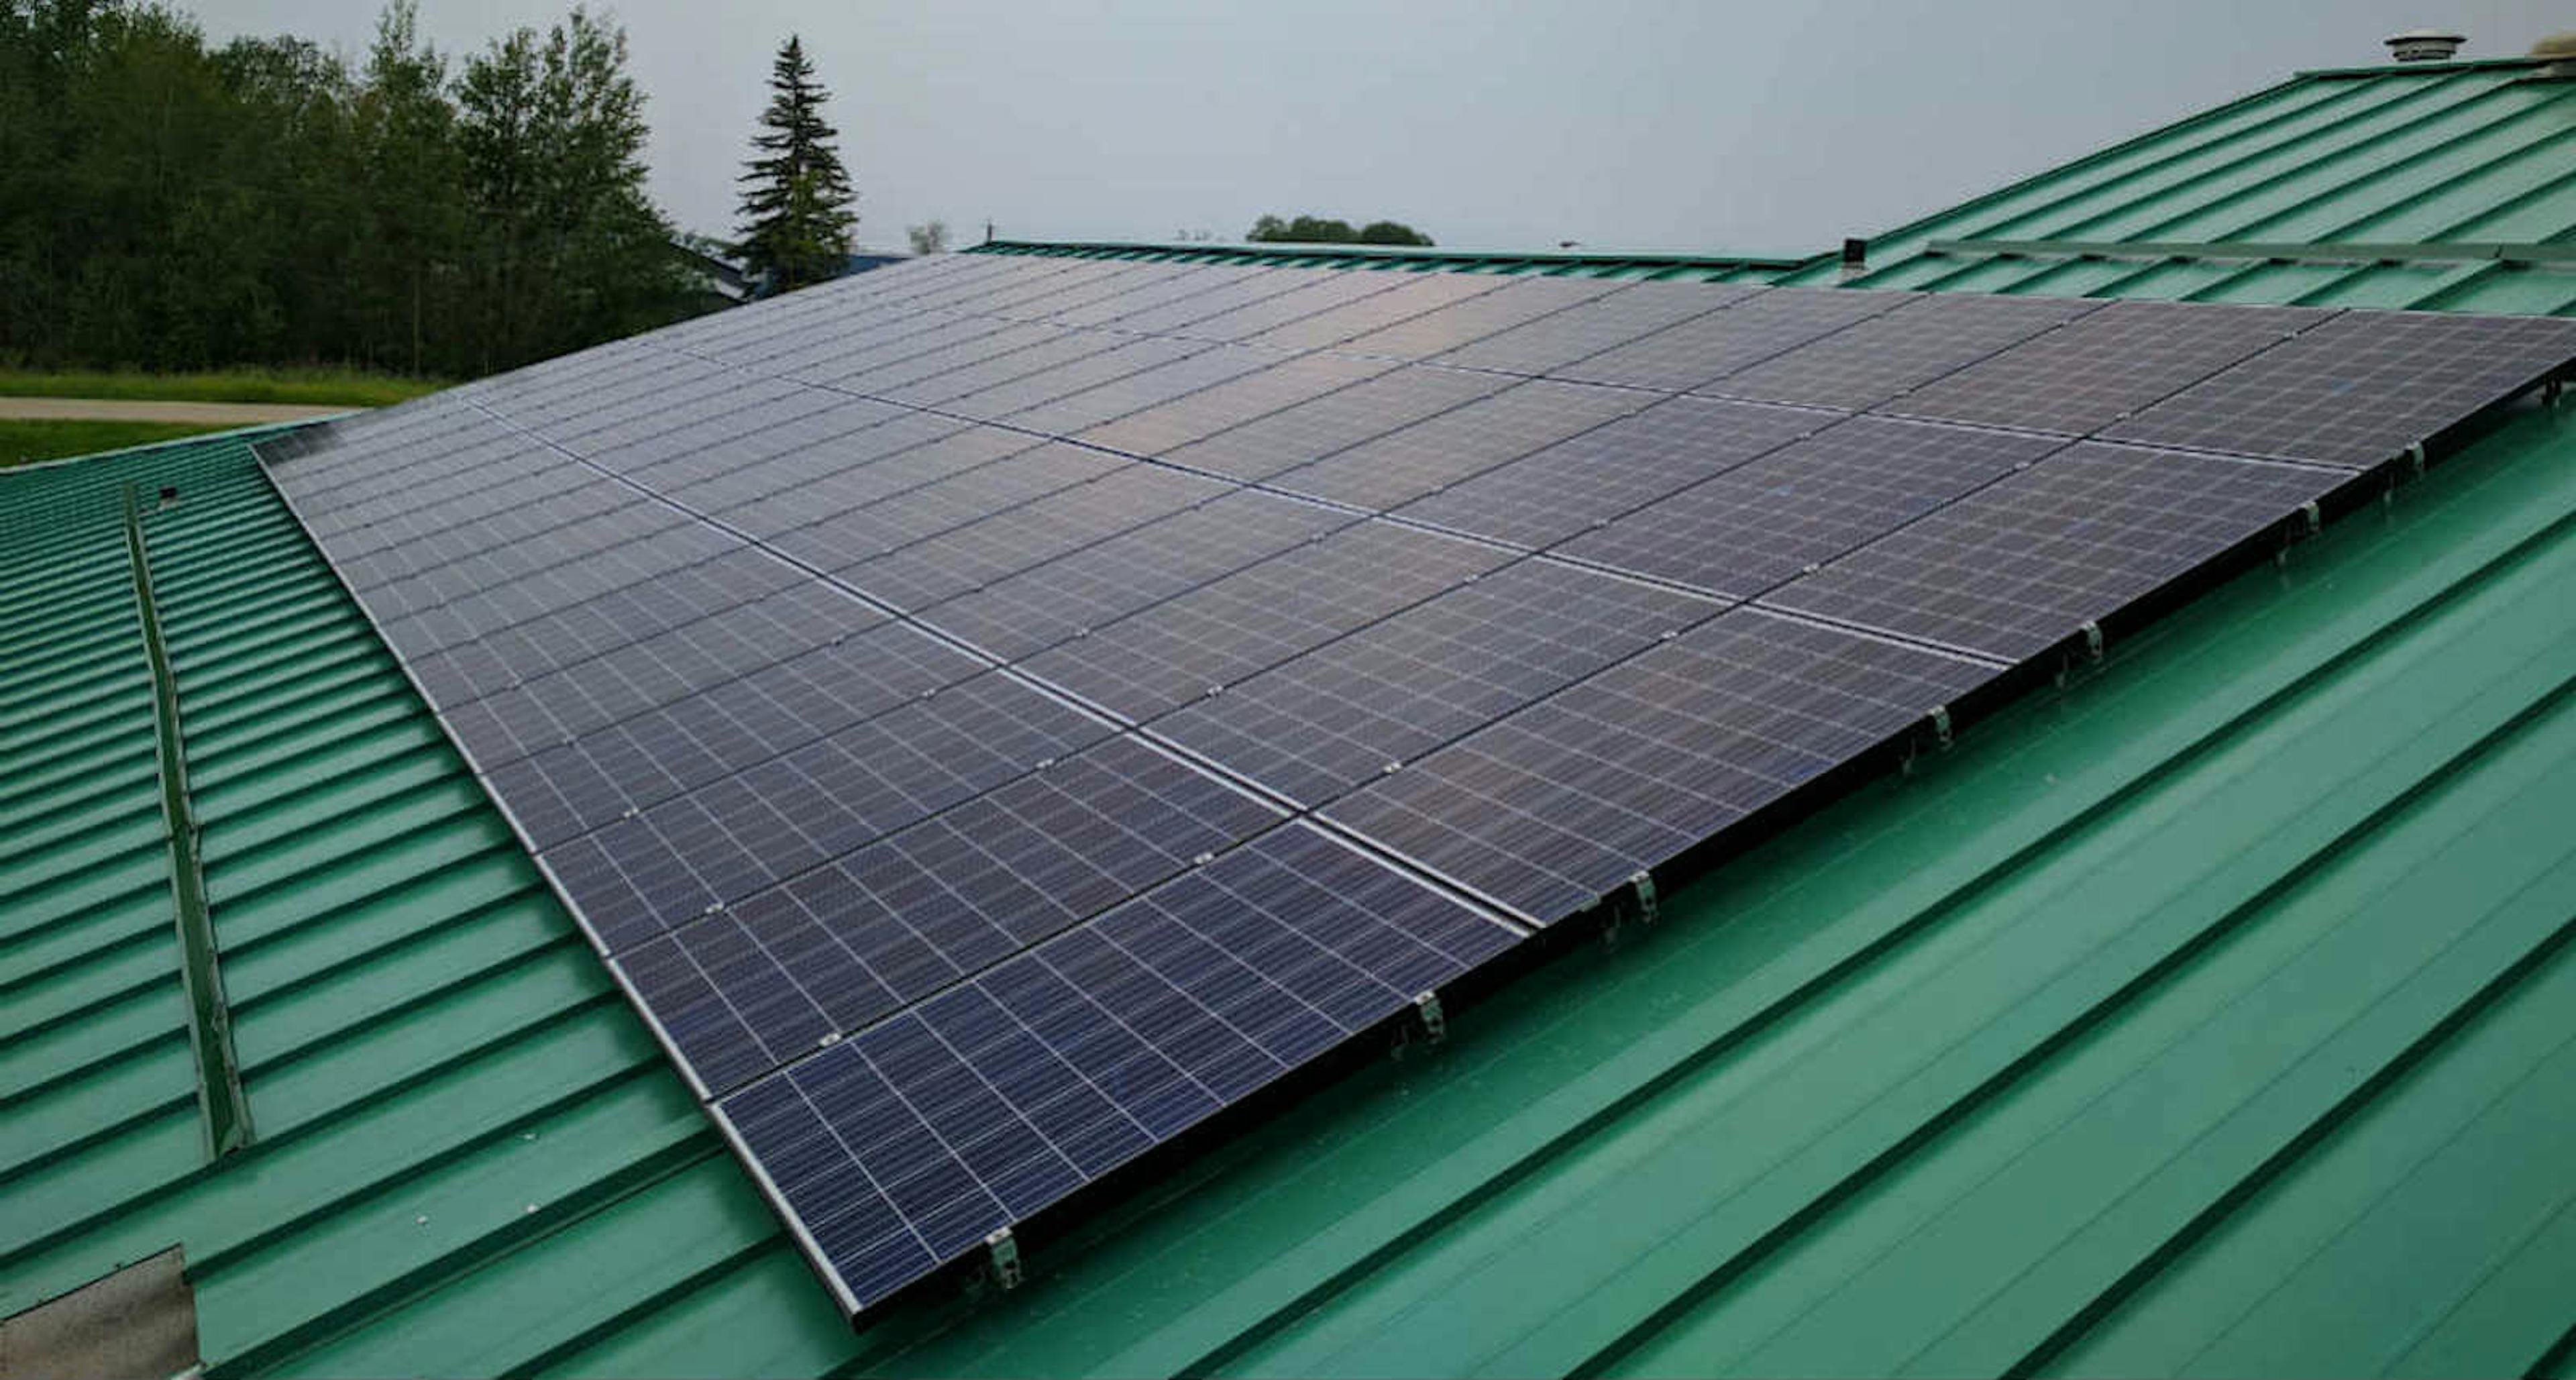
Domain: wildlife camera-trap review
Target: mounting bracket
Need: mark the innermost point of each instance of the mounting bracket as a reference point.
(1435, 1022)
(1002, 1252)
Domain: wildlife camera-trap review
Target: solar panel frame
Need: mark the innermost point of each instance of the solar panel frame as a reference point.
(481, 529)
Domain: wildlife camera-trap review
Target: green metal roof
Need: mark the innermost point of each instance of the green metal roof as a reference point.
(2213, 1013)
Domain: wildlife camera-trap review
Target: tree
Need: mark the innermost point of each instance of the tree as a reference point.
(551, 132)
(1320, 230)
(797, 201)
(928, 239)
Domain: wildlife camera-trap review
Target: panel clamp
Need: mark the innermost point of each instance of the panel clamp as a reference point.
(1002, 1253)
(1939, 718)
(1641, 892)
(2092, 640)
(1435, 1022)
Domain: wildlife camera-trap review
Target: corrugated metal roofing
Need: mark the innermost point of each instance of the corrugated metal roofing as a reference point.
(2211, 1014)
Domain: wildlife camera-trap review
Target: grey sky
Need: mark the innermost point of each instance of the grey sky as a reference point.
(1622, 124)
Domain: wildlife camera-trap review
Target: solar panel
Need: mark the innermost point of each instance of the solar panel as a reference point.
(1517, 301)
(1584, 330)
(1165, 427)
(975, 801)
(902, 1147)
(1763, 522)
(835, 948)
(2104, 366)
(2013, 569)
(1430, 455)
(2361, 388)
(1870, 361)
(1296, 435)
(1749, 329)
(1556, 805)
(1415, 295)
(1316, 726)
(1584, 482)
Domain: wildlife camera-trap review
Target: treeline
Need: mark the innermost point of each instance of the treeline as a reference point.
(1327, 230)
(167, 203)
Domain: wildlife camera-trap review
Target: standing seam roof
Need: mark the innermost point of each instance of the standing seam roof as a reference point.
(2211, 1013)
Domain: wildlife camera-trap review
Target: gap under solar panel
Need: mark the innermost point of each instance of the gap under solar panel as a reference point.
(1582, 331)
(1713, 344)
(1430, 455)
(2104, 366)
(1517, 302)
(836, 948)
(1554, 806)
(1297, 434)
(2361, 388)
(1871, 361)
(2016, 568)
(1763, 522)
(1321, 724)
(1582, 483)
(902, 1147)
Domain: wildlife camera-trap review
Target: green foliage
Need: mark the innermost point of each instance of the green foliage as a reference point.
(1322, 230)
(797, 200)
(928, 239)
(302, 387)
(24, 442)
(170, 204)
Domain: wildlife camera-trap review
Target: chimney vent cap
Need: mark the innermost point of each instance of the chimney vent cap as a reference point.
(2425, 45)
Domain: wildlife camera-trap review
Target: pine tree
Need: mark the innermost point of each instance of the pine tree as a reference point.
(797, 204)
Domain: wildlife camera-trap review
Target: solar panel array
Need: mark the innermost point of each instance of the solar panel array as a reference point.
(994, 713)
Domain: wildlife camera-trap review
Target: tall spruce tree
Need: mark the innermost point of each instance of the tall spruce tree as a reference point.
(797, 202)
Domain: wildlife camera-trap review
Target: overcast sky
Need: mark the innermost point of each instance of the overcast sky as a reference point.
(1620, 124)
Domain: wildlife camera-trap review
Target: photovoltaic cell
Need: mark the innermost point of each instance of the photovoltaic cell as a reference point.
(1143, 566)
(1183, 315)
(1418, 294)
(1315, 727)
(1517, 302)
(1090, 371)
(1582, 331)
(1556, 805)
(1582, 483)
(2015, 568)
(1224, 631)
(1319, 290)
(979, 553)
(1870, 361)
(1165, 427)
(1753, 328)
(1763, 522)
(1079, 412)
(2360, 388)
(903, 1146)
(1430, 455)
(834, 949)
(774, 816)
(2104, 366)
(1300, 433)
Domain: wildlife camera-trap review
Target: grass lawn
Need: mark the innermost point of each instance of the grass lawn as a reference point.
(21, 442)
(299, 386)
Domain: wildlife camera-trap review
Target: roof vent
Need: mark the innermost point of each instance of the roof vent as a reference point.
(2425, 45)
(2560, 50)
